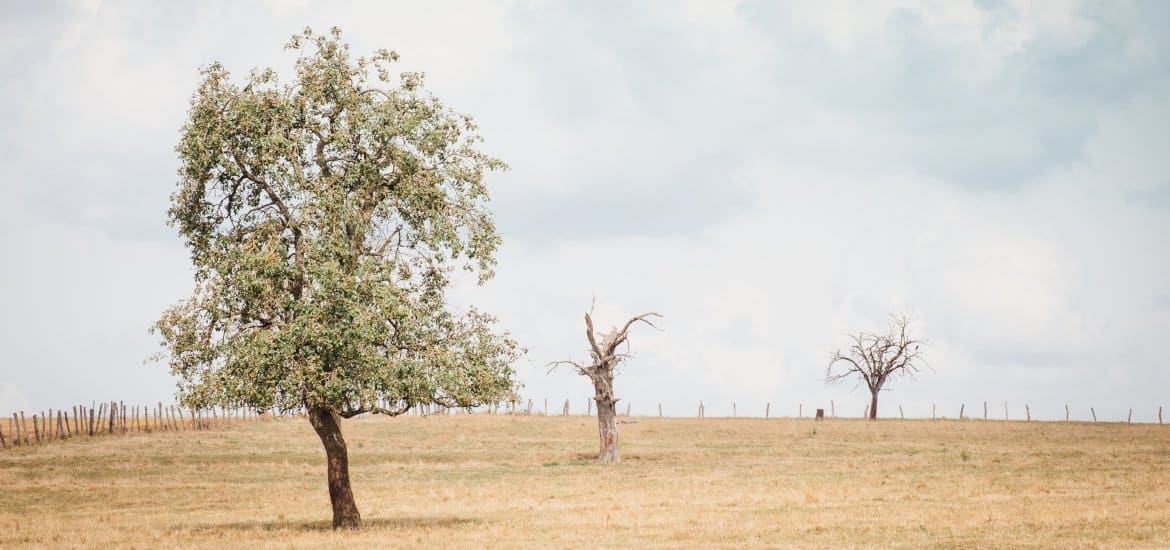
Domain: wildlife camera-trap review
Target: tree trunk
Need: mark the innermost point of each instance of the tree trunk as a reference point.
(607, 422)
(328, 426)
(873, 407)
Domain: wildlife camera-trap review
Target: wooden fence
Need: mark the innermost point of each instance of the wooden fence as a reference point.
(113, 418)
(117, 418)
(518, 407)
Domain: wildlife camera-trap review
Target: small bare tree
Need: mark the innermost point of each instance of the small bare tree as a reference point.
(606, 357)
(875, 358)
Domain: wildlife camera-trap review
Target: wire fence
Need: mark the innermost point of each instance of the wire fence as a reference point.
(116, 418)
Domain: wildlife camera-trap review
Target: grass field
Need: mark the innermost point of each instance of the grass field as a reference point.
(502, 481)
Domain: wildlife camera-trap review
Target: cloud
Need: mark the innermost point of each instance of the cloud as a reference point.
(768, 176)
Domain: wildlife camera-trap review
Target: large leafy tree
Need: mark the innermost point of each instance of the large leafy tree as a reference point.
(325, 218)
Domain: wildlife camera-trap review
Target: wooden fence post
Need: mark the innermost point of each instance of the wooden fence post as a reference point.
(985, 410)
(1094, 413)
(700, 408)
(932, 410)
(660, 410)
(24, 426)
(961, 407)
(900, 412)
(1066, 412)
(1129, 419)
(528, 411)
(60, 428)
(1159, 415)
(768, 410)
(1005, 410)
(832, 409)
(800, 410)
(36, 428)
(1028, 411)
(733, 411)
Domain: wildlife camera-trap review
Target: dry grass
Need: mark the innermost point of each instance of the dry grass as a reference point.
(474, 481)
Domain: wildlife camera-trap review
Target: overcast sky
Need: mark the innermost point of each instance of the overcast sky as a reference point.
(770, 176)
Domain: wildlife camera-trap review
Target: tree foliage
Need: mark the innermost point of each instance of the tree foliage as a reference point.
(325, 218)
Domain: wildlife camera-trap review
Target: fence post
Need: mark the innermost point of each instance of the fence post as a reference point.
(1159, 415)
(832, 409)
(700, 408)
(800, 410)
(660, 410)
(733, 412)
(1094, 413)
(24, 425)
(1129, 419)
(900, 412)
(985, 410)
(546, 406)
(768, 410)
(961, 407)
(932, 409)
(1066, 412)
(1028, 411)
(1005, 410)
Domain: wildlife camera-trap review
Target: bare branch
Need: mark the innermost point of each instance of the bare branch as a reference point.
(554, 364)
(597, 355)
(874, 358)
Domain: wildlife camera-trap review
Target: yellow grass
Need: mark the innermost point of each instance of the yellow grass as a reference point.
(500, 481)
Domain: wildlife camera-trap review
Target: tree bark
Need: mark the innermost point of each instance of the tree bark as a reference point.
(328, 427)
(607, 428)
(607, 422)
(873, 406)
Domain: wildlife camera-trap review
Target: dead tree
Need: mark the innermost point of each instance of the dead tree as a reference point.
(875, 358)
(606, 356)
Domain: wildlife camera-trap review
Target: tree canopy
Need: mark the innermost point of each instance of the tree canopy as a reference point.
(325, 218)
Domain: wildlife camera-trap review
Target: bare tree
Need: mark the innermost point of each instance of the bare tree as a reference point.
(875, 358)
(606, 357)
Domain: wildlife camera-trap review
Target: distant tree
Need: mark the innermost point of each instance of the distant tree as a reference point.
(876, 358)
(606, 355)
(324, 219)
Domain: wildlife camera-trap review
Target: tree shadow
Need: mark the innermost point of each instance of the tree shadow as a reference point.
(326, 525)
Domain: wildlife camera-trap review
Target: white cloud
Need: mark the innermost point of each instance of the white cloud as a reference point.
(767, 184)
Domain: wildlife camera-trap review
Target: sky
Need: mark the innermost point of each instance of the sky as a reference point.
(769, 176)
